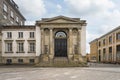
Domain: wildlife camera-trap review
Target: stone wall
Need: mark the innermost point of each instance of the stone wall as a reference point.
(94, 51)
(0, 47)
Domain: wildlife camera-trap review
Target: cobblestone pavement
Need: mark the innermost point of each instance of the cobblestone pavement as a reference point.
(73, 73)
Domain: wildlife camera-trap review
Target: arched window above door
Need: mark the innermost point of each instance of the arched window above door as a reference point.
(60, 35)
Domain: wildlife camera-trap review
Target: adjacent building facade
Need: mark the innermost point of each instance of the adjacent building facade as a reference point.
(10, 14)
(50, 38)
(107, 47)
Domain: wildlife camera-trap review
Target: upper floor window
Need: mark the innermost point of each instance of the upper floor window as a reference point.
(20, 47)
(9, 34)
(8, 47)
(110, 39)
(118, 36)
(21, 23)
(99, 44)
(4, 7)
(32, 47)
(5, 17)
(110, 49)
(104, 42)
(104, 50)
(16, 19)
(31, 34)
(11, 14)
(20, 34)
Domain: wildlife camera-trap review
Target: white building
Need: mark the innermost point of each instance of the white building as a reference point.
(50, 38)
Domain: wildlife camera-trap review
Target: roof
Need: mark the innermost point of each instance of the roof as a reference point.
(18, 27)
(15, 7)
(71, 20)
(106, 34)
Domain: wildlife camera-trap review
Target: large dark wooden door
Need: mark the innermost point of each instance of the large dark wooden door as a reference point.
(60, 47)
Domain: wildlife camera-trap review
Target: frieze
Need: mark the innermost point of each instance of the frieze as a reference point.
(61, 26)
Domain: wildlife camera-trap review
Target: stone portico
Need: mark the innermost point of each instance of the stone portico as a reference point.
(62, 37)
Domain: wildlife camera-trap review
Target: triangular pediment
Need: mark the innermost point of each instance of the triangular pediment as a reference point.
(60, 19)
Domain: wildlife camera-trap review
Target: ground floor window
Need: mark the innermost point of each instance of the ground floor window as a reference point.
(110, 53)
(9, 61)
(31, 60)
(20, 60)
(104, 54)
(118, 52)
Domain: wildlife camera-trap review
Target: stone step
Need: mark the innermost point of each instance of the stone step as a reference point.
(60, 60)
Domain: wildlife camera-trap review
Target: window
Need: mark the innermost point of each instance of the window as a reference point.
(20, 34)
(11, 14)
(9, 34)
(104, 42)
(104, 50)
(99, 44)
(4, 7)
(110, 49)
(5, 17)
(9, 61)
(118, 53)
(8, 47)
(118, 36)
(31, 34)
(16, 19)
(60, 35)
(11, 22)
(110, 39)
(21, 23)
(31, 60)
(20, 47)
(20, 60)
(32, 47)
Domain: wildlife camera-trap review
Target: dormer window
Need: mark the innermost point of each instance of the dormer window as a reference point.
(11, 14)
(5, 7)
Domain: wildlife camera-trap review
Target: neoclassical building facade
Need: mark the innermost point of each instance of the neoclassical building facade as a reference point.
(106, 48)
(48, 39)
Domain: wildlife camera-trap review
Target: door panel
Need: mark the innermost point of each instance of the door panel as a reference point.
(60, 47)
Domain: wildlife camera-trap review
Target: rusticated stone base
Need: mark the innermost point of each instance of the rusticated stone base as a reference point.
(74, 61)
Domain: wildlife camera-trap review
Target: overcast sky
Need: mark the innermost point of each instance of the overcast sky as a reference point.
(101, 15)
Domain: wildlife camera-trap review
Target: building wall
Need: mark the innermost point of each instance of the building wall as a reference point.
(83, 40)
(0, 47)
(26, 39)
(107, 48)
(93, 51)
(11, 6)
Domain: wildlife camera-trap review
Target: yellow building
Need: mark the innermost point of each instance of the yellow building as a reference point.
(107, 47)
(93, 51)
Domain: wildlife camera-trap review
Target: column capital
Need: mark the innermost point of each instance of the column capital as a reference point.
(79, 28)
(50, 28)
(70, 28)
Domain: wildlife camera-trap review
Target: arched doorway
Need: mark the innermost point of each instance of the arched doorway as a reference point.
(60, 44)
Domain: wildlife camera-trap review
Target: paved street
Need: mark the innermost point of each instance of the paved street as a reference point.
(73, 73)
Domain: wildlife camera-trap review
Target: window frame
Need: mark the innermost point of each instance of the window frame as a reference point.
(20, 47)
(8, 47)
(32, 34)
(5, 7)
(20, 34)
(9, 35)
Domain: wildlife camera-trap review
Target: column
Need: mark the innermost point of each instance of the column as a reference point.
(42, 41)
(70, 41)
(51, 41)
(79, 41)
